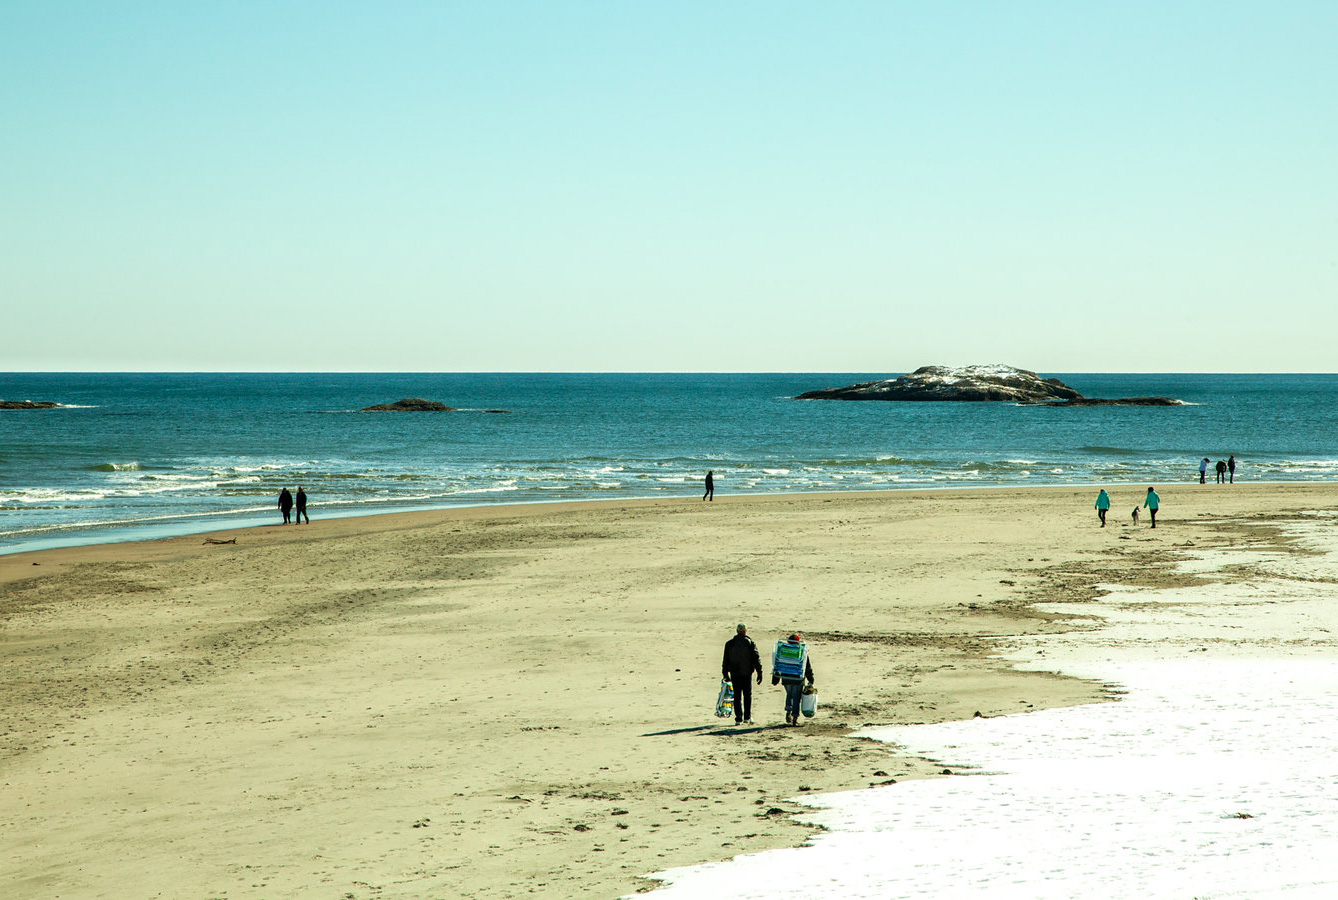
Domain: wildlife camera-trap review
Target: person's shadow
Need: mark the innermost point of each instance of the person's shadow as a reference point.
(715, 730)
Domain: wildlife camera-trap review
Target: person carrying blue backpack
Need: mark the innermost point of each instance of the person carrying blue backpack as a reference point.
(791, 667)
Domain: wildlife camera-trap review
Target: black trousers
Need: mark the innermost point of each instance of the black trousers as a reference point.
(743, 695)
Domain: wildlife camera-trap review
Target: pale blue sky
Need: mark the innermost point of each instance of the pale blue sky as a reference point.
(695, 186)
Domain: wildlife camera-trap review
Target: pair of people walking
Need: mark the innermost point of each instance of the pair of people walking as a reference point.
(1152, 502)
(287, 505)
(742, 662)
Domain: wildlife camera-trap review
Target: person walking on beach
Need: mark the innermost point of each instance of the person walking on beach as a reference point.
(793, 679)
(741, 660)
(1221, 469)
(1102, 506)
(1203, 471)
(301, 507)
(285, 504)
(1153, 502)
(1231, 468)
(710, 486)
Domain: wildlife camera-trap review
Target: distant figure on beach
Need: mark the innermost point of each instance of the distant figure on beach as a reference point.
(1203, 471)
(1221, 468)
(285, 504)
(792, 679)
(301, 507)
(1231, 468)
(1153, 502)
(1102, 506)
(741, 660)
(710, 486)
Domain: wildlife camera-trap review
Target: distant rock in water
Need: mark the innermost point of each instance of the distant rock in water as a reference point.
(1121, 401)
(979, 384)
(28, 404)
(409, 404)
(955, 383)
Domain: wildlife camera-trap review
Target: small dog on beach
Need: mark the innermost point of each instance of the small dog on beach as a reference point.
(1135, 514)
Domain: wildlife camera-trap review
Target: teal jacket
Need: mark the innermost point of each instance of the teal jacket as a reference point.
(1153, 501)
(1103, 500)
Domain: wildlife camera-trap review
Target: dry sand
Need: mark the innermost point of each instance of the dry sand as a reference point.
(518, 701)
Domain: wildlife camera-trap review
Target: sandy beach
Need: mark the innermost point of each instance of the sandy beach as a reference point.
(517, 701)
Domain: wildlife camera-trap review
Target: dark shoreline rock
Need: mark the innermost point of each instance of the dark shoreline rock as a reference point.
(409, 404)
(1121, 401)
(963, 383)
(996, 383)
(28, 404)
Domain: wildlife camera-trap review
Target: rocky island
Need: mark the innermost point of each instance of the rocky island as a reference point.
(409, 404)
(28, 404)
(988, 383)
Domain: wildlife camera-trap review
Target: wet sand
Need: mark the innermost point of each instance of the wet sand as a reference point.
(517, 701)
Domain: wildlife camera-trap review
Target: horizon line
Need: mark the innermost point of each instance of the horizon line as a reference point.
(624, 371)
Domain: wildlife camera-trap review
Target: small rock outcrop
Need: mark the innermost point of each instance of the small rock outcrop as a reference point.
(28, 404)
(1119, 401)
(977, 383)
(409, 404)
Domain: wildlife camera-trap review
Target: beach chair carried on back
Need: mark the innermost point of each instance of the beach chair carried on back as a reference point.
(788, 659)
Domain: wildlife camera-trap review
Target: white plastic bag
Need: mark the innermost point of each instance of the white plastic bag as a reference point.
(808, 701)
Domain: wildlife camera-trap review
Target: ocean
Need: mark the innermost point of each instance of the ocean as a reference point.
(132, 456)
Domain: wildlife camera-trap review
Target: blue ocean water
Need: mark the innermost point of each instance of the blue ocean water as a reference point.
(139, 455)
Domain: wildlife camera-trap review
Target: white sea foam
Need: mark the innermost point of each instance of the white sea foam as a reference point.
(1212, 778)
(117, 467)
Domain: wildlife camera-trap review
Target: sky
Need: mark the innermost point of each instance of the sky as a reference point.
(686, 187)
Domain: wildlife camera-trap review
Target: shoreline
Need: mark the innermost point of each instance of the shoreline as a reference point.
(428, 661)
(169, 533)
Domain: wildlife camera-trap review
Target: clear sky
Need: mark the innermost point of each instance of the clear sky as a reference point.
(687, 186)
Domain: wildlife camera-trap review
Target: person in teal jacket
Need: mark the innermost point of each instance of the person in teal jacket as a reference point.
(1152, 503)
(1102, 505)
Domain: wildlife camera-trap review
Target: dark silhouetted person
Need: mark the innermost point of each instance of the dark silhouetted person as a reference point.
(710, 486)
(794, 685)
(1203, 471)
(1102, 506)
(1231, 468)
(285, 504)
(1153, 503)
(301, 507)
(741, 661)
(1221, 468)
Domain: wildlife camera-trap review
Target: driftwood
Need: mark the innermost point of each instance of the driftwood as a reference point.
(216, 541)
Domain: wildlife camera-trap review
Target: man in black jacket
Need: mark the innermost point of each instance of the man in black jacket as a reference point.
(740, 662)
